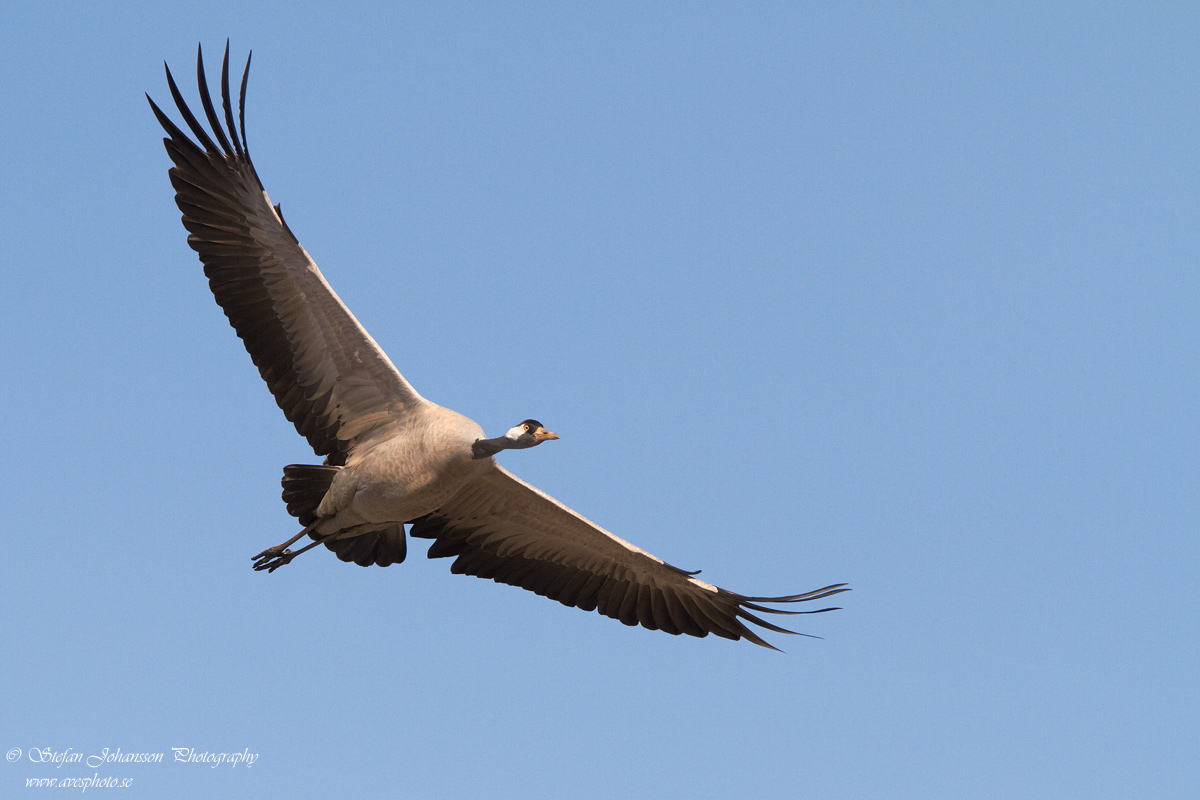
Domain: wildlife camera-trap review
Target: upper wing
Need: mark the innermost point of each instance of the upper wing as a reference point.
(327, 374)
(502, 528)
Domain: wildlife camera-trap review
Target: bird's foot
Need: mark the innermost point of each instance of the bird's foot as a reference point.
(273, 558)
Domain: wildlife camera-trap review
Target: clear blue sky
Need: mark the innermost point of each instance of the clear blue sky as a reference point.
(900, 295)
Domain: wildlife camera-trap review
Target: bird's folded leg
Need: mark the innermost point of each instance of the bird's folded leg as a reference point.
(272, 553)
(271, 564)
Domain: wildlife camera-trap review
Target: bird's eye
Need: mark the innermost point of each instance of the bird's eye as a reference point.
(527, 429)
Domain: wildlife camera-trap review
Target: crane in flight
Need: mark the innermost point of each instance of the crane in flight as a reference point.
(393, 458)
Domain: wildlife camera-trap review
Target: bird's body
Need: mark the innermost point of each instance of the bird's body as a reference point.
(405, 476)
(393, 458)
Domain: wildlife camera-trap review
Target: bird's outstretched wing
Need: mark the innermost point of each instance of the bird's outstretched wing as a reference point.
(502, 528)
(326, 372)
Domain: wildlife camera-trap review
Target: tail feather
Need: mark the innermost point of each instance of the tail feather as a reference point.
(305, 485)
(381, 548)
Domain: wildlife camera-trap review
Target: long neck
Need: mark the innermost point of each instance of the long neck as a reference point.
(482, 448)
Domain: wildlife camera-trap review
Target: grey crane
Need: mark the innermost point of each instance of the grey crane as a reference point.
(393, 458)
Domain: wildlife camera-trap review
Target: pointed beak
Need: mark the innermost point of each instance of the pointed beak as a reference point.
(543, 435)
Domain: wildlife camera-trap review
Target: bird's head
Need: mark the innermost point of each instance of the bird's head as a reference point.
(528, 433)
